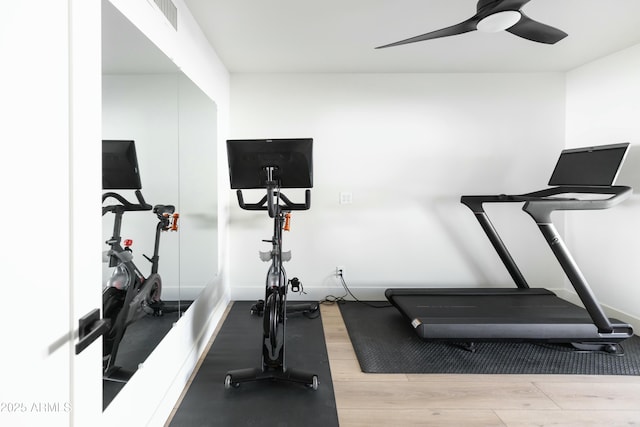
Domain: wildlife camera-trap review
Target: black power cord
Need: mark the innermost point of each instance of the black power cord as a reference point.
(331, 299)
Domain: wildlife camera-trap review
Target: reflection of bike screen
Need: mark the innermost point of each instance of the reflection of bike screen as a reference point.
(292, 160)
(120, 166)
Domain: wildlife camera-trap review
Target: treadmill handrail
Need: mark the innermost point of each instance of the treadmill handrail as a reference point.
(475, 203)
(542, 203)
(544, 200)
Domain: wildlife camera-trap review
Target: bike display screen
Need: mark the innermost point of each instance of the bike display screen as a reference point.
(291, 162)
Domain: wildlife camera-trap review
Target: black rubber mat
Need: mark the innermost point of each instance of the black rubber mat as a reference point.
(262, 403)
(385, 342)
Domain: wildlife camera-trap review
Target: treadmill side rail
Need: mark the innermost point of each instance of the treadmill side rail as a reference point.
(540, 210)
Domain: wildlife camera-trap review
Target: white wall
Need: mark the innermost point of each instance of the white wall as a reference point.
(50, 103)
(35, 176)
(50, 86)
(603, 108)
(407, 146)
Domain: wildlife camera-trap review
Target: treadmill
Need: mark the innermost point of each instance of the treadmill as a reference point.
(582, 180)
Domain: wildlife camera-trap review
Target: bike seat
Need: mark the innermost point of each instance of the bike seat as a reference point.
(164, 209)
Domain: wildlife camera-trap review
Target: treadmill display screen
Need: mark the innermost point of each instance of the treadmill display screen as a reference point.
(589, 166)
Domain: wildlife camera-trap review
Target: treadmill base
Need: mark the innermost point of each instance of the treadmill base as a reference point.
(487, 314)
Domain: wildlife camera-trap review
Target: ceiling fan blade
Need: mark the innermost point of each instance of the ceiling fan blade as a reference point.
(536, 31)
(461, 28)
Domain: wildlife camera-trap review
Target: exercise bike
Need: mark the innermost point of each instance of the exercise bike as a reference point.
(274, 307)
(129, 295)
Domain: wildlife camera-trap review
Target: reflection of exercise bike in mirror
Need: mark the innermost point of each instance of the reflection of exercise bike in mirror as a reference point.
(128, 295)
(263, 160)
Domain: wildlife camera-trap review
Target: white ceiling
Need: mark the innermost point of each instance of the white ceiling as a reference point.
(340, 35)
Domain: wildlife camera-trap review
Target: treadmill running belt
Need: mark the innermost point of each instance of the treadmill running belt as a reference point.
(484, 314)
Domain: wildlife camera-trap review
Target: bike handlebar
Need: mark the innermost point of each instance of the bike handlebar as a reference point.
(125, 205)
(267, 203)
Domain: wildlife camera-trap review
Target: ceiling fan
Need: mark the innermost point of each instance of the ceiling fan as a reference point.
(493, 16)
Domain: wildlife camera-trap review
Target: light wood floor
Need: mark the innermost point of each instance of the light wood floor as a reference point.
(472, 400)
(401, 400)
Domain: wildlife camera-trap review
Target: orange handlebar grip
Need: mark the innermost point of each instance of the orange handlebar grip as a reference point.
(174, 223)
(287, 221)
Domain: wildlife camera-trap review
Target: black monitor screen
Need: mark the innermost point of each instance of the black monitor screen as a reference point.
(589, 166)
(291, 159)
(120, 166)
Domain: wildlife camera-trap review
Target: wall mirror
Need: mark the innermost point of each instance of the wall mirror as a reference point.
(147, 99)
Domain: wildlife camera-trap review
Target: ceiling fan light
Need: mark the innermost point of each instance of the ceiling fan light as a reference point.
(499, 21)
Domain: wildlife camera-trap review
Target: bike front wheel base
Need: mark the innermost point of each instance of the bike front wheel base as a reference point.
(234, 378)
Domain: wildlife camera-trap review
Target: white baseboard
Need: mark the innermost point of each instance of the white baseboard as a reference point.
(311, 293)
